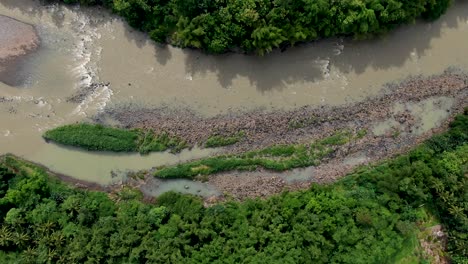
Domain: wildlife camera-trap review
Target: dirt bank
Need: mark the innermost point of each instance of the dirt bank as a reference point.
(17, 39)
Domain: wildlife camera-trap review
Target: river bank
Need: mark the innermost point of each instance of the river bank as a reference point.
(263, 128)
(402, 117)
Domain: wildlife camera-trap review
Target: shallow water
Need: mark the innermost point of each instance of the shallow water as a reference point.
(427, 114)
(156, 187)
(386, 126)
(298, 175)
(82, 46)
(105, 168)
(430, 113)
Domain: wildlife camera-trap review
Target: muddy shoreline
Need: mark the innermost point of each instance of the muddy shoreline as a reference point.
(309, 123)
(304, 124)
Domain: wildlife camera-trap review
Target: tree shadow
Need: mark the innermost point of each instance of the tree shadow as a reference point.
(271, 72)
(396, 47)
(162, 52)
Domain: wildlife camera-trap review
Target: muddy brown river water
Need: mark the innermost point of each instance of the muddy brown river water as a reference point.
(81, 46)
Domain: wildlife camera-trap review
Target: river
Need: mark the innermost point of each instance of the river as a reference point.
(81, 46)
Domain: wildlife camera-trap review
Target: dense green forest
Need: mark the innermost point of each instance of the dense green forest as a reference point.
(218, 26)
(371, 216)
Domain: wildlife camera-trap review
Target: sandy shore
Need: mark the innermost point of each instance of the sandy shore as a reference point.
(17, 39)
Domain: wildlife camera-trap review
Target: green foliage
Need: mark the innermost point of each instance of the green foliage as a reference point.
(100, 138)
(361, 133)
(434, 8)
(218, 26)
(148, 141)
(371, 216)
(278, 158)
(94, 137)
(221, 141)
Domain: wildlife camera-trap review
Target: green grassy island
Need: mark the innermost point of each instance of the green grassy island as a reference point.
(100, 138)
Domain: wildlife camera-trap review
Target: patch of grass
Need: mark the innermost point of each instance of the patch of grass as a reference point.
(339, 138)
(94, 137)
(221, 141)
(410, 253)
(137, 174)
(148, 142)
(100, 138)
(277, 158)
(361, 133)
(127, 193)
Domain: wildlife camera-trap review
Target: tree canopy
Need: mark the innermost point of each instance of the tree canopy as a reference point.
(217, 26)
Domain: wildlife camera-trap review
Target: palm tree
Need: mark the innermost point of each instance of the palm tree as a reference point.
(5, 236)
(46, 227)
(58, 239)
(456, 211)
(30, 255)
(51, 254)
(20, 239)
(266, 38)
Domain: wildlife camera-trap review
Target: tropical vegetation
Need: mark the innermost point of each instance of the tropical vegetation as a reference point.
(217, 26)
(373, 215)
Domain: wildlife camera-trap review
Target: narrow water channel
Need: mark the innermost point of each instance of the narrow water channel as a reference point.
(81, 46)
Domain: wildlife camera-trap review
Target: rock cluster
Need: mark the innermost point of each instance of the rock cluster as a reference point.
(304, 125)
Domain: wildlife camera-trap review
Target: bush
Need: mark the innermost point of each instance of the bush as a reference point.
(221, 141)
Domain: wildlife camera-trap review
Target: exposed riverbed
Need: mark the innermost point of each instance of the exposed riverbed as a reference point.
(90, 60)
(17, 40)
